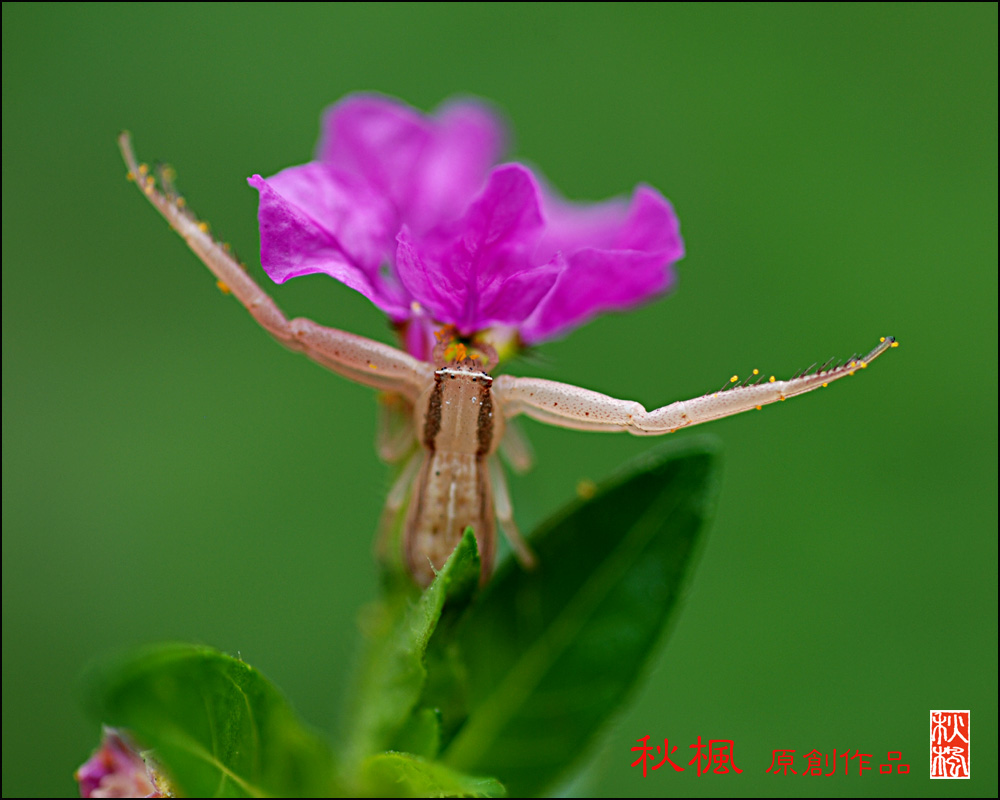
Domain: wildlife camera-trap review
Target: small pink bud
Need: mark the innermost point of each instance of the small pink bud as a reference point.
(116, 769)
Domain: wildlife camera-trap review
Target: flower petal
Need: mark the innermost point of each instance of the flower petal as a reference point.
(646, 223)
(404, 208)
(515, 297)
(509, 300)
(631, 262)
(429, 168)
(595, 281)
(350, 244)
(467, 141)
(432, 289)
(651, 226)
(360, 220)
(479, 270)
(376, 138)
(572, 226)
(117, 770)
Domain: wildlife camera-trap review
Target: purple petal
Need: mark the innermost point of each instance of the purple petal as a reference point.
(509, 301)
(428, 168)
(595, 281)
(479, 271)
(404, 208)
(627, 260)
(431, 288)
(468, 140)
(651, 226)
(314, 220)
(117, 770)
(515, 297)
(647, 223)
(572, 226)
(375, 138)
(361, 221)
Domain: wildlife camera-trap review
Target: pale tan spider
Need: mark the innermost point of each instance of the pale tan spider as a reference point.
(457, 411)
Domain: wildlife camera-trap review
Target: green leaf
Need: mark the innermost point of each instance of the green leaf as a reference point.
(216, 725)
(403, 775)
(552, 653)
(421, 733)
(393, 673)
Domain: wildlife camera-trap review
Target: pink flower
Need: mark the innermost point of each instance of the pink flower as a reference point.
(117, 770)
(412, 211)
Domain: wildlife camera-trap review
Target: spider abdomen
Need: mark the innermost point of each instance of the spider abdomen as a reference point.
(451, 492)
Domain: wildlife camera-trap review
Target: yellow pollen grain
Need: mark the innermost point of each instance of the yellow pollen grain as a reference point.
(150, 181)
(771, 379)
(143, 169)
(782, 398)
(181, 202)
(825, 385)
(894, 344)
(223, 287)
(203, 227)
(882, 339)
(756, 372)
(851, 372)
(734, 378)
(130, 176)
(757, 407)
(864, 364)
(371, 365)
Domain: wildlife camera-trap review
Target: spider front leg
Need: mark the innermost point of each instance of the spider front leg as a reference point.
(355, 357)
(581, 409)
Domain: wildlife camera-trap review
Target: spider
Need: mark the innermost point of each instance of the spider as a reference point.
(456, 411)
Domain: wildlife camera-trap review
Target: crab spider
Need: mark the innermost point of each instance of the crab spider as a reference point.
(454, 413)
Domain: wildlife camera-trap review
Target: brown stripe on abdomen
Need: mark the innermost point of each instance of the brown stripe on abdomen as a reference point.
(432, 422)
(484, 426)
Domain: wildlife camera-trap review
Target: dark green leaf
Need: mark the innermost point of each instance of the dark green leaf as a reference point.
(392, 676)
(403, 775)
(447, 685)
(552, 653)
(215, 724)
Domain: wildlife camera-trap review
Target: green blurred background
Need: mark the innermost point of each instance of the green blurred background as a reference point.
(170, 473)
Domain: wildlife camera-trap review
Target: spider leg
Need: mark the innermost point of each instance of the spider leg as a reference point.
(394, 502)
(516, 448)
(581, 409)
(395, 436)
(355, 357)
(505, 515)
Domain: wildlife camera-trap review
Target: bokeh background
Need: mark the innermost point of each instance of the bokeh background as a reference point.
(170, 473)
